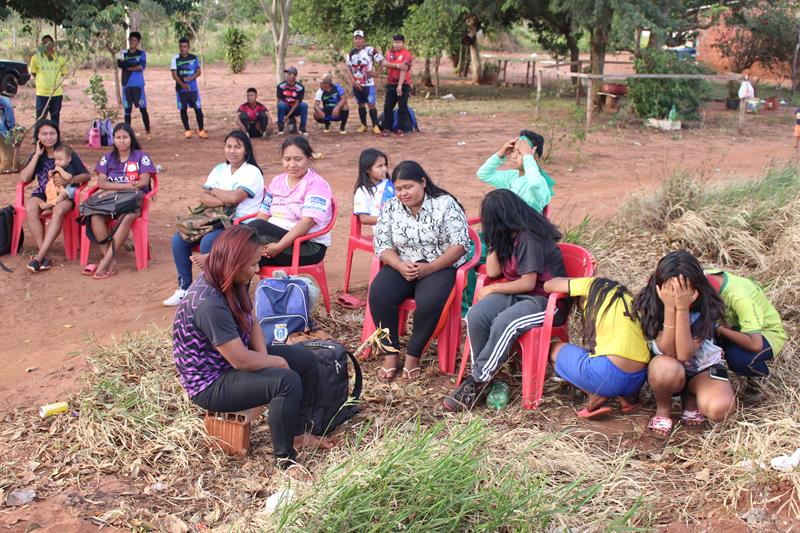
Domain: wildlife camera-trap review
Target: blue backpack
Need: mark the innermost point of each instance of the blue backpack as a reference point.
(282, 308)
(396, 122)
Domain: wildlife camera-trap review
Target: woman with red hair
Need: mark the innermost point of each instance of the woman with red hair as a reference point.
(222, 359)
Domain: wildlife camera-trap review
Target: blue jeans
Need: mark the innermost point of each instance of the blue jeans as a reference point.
(182, 253)
(597, 375)
(302, 110)
(747, 363)
(54, 107)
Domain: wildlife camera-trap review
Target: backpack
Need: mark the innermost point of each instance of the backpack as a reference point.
(333, 405)
(282, 307)
(396, 122)
(93, 138)
(7, 229)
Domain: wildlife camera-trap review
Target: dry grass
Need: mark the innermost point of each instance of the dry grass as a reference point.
(134, 453)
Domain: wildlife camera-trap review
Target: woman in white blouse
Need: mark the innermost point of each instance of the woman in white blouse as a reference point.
(239, 183)
(421, 238)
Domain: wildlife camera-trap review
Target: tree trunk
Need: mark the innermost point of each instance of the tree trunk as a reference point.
(436, 61)
(426, 73)
(574, 56)
(598, 43)
(473, 25)
(277, 13)
(117, 87)
(795, 65)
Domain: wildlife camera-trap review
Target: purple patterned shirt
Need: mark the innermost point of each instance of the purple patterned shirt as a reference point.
(202, 322)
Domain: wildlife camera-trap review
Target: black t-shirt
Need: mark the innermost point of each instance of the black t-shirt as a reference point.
(290, 93)
(532, 254)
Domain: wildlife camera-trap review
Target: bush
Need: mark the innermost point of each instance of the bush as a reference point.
(97, 92)
(235, 43)
(655, 98)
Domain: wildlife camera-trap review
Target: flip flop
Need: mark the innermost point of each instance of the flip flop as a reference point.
(89, 269)
(348, 301)
(386, 374)
(412, 374)
(661, 426)
(104, 276)
(597, 413)
(692, 419)
(629, 405)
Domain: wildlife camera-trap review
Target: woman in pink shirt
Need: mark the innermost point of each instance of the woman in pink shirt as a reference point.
(296, 203)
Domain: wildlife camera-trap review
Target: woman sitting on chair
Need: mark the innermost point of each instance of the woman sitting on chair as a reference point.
(222, 359)
(125, 168)
(421, 238)
(296, 203)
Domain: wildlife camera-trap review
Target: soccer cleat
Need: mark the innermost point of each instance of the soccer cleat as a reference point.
(188, 134)
(202, 134)
(362, 129)
(376, 130)
(175, 299)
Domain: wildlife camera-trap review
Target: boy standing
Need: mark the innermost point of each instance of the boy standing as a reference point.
(290, 101)
(49, 70)
(253, 116)
(361, 65)
(398, 87)
(132, 62)
(185, 69)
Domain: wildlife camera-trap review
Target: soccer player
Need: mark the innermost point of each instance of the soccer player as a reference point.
(290, 101)
(185, 69)
(132, 62)
(253, 116)
(330, 104)
(361, 65)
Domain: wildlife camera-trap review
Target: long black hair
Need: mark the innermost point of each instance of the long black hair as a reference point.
(36, 127)
(366, 161)
(413, 171)
(504, 216)
(536, 139)
(650, 309)
(249, 154)
(599, 290)
(134, 141)
(300, 142)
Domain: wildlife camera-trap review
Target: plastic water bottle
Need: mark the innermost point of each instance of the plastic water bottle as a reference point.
(673, 114)
(498, 395)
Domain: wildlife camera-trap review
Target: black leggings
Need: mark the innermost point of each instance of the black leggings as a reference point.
(389, 289)
(198, 114)
(311, 253)
(290, 394)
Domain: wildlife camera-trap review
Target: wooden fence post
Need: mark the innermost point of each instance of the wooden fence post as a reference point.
(589, 92)
(742, 110)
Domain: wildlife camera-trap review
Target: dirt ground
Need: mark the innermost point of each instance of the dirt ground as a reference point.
(49, 316)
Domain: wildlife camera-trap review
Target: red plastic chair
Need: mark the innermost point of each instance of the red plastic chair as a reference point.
(448, 329)
(535, 343)
(70, 229)
(317, 271)
(356, 241)
(140, 229)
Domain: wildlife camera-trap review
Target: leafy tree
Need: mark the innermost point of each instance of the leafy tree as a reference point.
(108, 29)
(277, 13)
(235, 41)
(426, 27)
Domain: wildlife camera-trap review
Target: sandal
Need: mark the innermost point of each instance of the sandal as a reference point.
(89, 269)
(386, 374)
(600, 412)
(661, 426)
(629, 405)
(348, 301)
(412, 374)
(692, 419)
(104, 275)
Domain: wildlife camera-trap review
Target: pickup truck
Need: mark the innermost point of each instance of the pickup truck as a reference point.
(12, 75)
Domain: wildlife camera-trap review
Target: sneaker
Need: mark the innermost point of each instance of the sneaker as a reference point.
(362, 129)
(399, 133)
(175, 299)
(387, 133)
(202, 134)
(326, 130)
(281, 132)
(304, 133)
(34, 266)
(376, 130)
(188, 134)
(343, 132)
(46, 264)
(465, 396)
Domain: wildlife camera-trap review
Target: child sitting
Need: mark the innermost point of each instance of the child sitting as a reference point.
(613, 363)
(678, 310)
(62, 155)
(373, 186)
(526, 179)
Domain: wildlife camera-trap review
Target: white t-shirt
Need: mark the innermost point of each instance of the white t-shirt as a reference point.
(247, 177)
(369, 202)
(362, 64)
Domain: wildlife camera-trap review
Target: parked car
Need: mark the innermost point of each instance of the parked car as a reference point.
(12, 75)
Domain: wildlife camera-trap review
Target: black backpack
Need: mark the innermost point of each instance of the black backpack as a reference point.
(329, 409)
(6, 230)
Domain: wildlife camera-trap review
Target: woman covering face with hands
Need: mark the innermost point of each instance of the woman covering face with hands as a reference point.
(678, 310)
(421, 238)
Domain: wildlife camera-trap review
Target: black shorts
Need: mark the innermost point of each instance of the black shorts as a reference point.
(188, 99)
(133, 97)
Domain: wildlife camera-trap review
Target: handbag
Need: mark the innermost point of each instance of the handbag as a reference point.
(202, 220)
(111, 204)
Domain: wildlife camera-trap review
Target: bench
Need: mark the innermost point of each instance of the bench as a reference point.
(611, 100)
